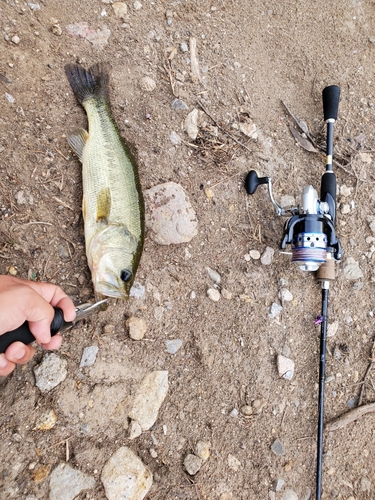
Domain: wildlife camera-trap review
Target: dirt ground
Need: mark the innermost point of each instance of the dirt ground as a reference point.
(252, 56)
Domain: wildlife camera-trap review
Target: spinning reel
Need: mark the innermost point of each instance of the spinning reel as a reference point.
(310, 230)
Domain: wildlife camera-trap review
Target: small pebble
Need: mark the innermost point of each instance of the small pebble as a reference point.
(202, 449)
(249, 129)
(285, 295)
(345, 191)
(233, 462)
(213, 294)
(89, 356)
(56, 29)
(147, 83)
(10, 98)
(153, 453)
(254, 254)
(192, 464)
(175, 138)
(289, 495)
(278, 448)
(246, 410)
(12, 271)
(267, 256)
(16, 39)
(226, 294)
(191, 124)
(137, 291)
(234, 413)
(173, 345)
(109, 329)
(120, 9)
(279, 484)
(351, 270)
(137, 5)
(179, 105)
(135, 430)
(332, 328)
(137, 328)
(214, 275)
(46, 421)
(345, 209)
(275, 310)
(184, 47)
(285, 367)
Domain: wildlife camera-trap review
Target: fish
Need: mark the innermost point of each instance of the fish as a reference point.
(112, 205)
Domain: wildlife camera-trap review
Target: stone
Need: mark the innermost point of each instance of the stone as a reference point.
(170, 218)
(285, 295)
(179, 105)
(147, 83)
(67, 483)
(149, 398)
(279, 484)
(267, 256)
(214, 275)
(289, 495)
(175, 138)
(50, 372)
(137, 5)
(351, 270)
(213, 294)
(226, 294)
(285, 367)
(125, 476)
(277, 448)
(137, 328)
(332, 328)
(137, 291)
(120, 9)
(249, 129)
(254, 254)
(173, 345)
(202, 449)
(46, 421)
(89, 356)
(275, 310)
(191, 124)
(233, 462)
(16, 39)
(192, 464)
(135, 430)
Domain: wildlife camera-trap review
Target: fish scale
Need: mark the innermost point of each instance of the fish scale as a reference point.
(113, 206)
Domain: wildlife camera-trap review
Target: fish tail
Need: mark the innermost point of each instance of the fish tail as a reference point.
(89, 83)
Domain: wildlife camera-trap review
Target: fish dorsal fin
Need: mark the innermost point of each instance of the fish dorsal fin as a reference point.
(103, 206)
(77, 139)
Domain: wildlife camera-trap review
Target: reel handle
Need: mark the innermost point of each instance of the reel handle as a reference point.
(252, 181)
(331, 98)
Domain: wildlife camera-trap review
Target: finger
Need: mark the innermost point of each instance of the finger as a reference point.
(54, 344)
(6, 366)
(19, 353)
(66, 304)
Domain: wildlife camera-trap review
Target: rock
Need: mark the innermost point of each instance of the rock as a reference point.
(277, 448)
(137, 290)
(192, 464)
(67, 483)
(10, 98)
(46, 421)
(279, 484)
(137, 5)
(287, 201)
(213, 294)
(41, 473)
(135, 430)
(307, 495)
(20, 198)
(148, 399)
(332, 328)
(179, 105)
(214, 275)
(16, 39)
(125, 476)
(275, 310)
(345, 208)
(233, 462)
(246, 410)
(89, 356)
(365, 484)
(184, 47)
(153, 453)
(285, 367)
(120, 9)
(351, 270)
(254, 254)
(173, 345)
(234, 413)
(249, 129)
(267, 256)
(12, 271)
(170, 218)
(285, 295)
(147, 83)
(50, 372)
(345, 191)
(137, 328)
(191, 124)
(202, 449)
(226, 294)
(289, 495)
(175, 138)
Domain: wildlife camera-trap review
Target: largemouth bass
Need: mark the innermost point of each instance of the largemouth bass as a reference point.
(112, 205)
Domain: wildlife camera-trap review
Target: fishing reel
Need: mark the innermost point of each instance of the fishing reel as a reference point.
(310, 229)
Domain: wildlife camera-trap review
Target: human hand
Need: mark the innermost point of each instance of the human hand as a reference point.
(22, 300)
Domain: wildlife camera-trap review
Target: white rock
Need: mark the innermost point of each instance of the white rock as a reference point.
(147, 84)
(332, 328)
(125, 476)
(135, 430)
(120, 9)
(50, 372)
(345, 191)
(149, 398)
(191, 124)
(275, 310)
(202, 449)
(289, 495)
(267, 256)
(137, 290)
(285, 367)
(249, 129)
(214, 275)
(233, 462)
(175, 138)
(137, 328)
(351, 270)
(66, 483)
(287, 201)
(89, 356)
(137, 5)
(192, 464)
(345, 208)
(285, 295)
(213, 294)
(254, 254)
(16, 39)
(173, 345)
(170, 218)
(10, 98)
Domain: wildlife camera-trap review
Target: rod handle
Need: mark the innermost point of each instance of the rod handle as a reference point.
(23, 334)
(252, 181)
(331, 98)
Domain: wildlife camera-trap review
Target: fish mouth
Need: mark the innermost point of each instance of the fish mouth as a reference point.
(110, 290)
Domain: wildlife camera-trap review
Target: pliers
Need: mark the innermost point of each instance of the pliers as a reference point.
(23, 334)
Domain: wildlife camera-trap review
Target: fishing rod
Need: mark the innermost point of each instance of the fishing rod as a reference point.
(310, 230)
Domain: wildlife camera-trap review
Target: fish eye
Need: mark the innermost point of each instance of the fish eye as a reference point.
(125, 275)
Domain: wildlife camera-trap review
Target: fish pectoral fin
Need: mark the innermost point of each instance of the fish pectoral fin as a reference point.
(84, 207)
(103, 206)
(77, 138)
